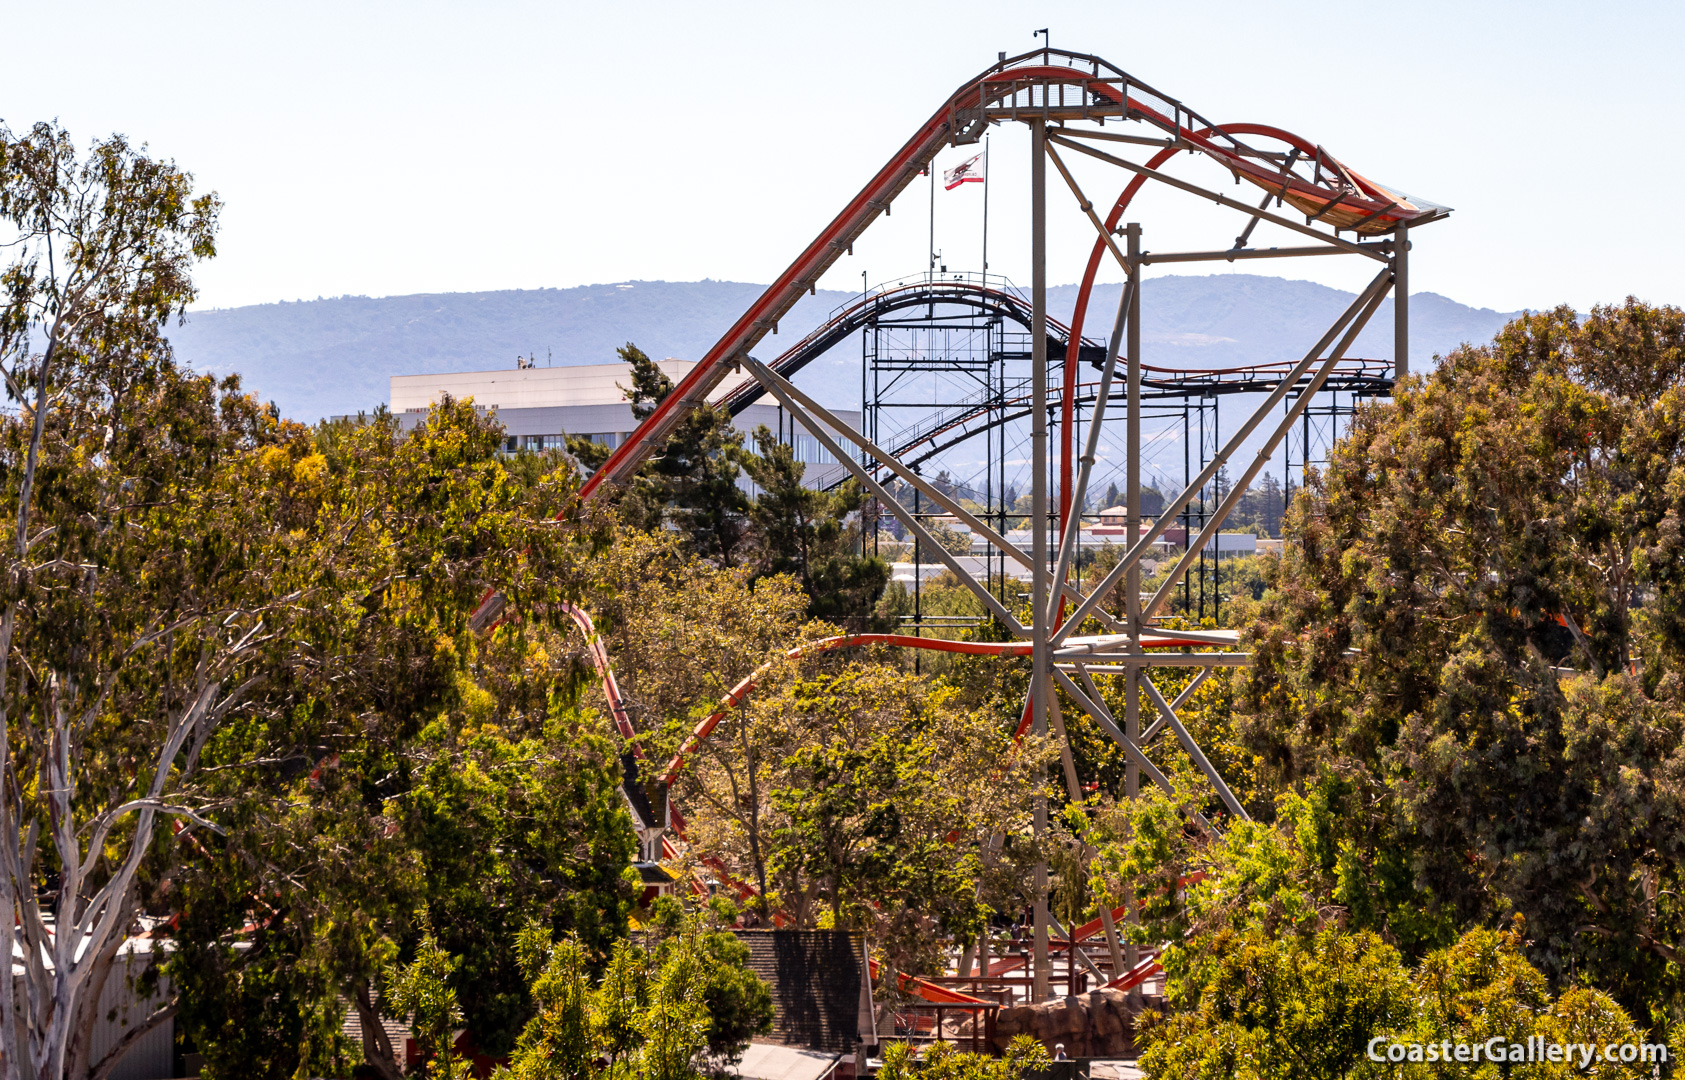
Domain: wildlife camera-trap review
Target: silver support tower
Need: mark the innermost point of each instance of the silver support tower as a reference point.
(1132, 517)
(1039, 681)
(1071, 91)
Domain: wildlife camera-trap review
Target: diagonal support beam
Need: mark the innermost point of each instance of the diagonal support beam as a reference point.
(1103, 716)
(1131, 556)
(1167, 714)
(1078, 950)
(1073, 523)
(1188, 690)
(772, 382)
(1238, 488)
(913, 479)
(1073, 785)
(1094, 691)
(1113, 945)
(1088, 208)
(1181, 699)
(1218, 197)
(1192, 747)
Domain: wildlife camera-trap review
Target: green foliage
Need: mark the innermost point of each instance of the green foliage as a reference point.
(1260, 508)
(884, 803)
(590, 453)
(1306, 1007)
(692, 487)
(420, 765)
(1472, 647)
(422, 991)
(652, 1013)
(691, 483)
(1280, 877)
(261, 1008)
(943, 1061)
(532, 468)
(1268, 978)
(739, 1002)
(860, 819)
(674, 1022)
(952, 540)
(1254, 1004)
(804, 532)
(149, 592)
(558, 1043)
(1482, 987)
(1025, 1053)
(650, 385)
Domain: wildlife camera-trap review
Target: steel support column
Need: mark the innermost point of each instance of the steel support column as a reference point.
(1132, 527)
(1039, 666)
(1400, 302)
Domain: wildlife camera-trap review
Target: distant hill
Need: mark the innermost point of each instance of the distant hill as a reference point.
(1227, 319)
(316, 358)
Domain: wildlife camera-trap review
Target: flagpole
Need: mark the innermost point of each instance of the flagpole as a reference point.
(985, 211)
(930, 270)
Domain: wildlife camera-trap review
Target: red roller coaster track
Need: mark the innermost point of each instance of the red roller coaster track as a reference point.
(1333, 193)
(1060, 88)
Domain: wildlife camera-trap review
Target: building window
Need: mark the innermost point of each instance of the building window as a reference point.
(539, 443)
(811, 451)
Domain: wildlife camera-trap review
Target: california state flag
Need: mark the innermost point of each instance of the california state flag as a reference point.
(969, 171)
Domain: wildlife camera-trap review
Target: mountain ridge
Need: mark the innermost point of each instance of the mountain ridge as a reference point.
(316, 358)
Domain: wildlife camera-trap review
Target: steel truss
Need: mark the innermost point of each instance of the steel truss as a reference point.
(962, 326)
(1309, 445)
(1077, 104)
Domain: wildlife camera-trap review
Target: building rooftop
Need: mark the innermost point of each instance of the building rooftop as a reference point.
(526, 388)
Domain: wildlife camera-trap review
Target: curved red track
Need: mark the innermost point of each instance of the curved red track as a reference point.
(1347, 199)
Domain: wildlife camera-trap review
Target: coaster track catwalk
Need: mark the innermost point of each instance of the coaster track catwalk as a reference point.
(1078, 104)
(958, 420)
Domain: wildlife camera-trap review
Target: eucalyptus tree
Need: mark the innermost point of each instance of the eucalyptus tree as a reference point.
(139, 593)
(402, 759)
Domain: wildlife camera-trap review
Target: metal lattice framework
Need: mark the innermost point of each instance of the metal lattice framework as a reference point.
(1077, 104)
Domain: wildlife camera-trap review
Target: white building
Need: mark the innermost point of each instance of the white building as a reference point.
(538, 407)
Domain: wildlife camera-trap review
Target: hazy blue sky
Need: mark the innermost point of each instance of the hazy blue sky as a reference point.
(394, 148)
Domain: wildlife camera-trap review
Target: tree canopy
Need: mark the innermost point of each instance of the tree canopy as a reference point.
(256, 703)
(1471, 650)
(422, 766)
